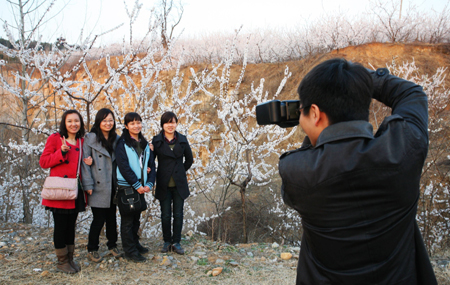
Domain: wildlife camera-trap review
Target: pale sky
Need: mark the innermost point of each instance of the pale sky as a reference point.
(200, 16)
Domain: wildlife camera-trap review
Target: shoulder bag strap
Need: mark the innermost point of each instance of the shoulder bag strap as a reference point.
(79, 160)
(142, 168)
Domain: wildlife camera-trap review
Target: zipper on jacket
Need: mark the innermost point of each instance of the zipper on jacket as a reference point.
(141, 164)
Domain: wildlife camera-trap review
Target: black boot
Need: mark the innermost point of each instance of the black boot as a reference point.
(137, 257)
(141, 249)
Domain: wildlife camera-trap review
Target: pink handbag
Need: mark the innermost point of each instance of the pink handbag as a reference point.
(60, 188)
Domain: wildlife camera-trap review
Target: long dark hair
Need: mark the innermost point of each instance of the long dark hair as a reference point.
(62, 126)
(167, 117)
(130, 117)
(106, 143)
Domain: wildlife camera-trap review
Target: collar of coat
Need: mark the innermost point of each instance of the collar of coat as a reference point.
(345, 130)
(91, 140)
(160, 137)
(177, 152)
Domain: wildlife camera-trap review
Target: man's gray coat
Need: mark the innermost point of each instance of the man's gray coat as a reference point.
(98, 176)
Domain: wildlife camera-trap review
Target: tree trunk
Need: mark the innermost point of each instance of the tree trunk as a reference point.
(244, 216)
(27, 217)
(88, 116)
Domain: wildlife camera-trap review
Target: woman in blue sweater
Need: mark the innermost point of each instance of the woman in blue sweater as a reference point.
(133, 157)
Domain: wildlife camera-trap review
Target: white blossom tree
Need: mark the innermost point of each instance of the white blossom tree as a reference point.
(240, 149)
(28, 90)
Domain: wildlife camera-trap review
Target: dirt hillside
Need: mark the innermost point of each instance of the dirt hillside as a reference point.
(426, 56)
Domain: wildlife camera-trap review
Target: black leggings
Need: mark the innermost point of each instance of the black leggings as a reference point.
(102, 216)
(64, 230)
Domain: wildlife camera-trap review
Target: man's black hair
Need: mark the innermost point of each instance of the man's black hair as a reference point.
(106, 143)
(341, 89)
(62, 126)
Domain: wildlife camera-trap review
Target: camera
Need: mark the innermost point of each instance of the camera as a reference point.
(282, 113)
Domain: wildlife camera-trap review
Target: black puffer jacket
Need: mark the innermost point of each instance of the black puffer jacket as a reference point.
(357, 194)
(172, 163)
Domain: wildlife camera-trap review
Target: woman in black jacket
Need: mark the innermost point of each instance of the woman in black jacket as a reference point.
(174, 159)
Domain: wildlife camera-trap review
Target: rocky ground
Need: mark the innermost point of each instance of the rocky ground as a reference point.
(27, 257)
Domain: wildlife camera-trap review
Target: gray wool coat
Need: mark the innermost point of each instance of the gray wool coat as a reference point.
(98, 176)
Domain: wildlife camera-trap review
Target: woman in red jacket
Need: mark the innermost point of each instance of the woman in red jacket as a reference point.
(61, 155)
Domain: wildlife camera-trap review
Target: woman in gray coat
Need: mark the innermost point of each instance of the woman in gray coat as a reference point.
(98, 182)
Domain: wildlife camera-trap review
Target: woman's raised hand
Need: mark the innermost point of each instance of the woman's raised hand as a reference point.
(88, 161)
(64, 146)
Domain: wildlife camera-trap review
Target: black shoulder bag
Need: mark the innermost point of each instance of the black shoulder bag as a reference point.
(129, 200)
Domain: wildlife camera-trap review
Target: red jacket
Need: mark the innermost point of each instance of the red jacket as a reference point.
(60, 165)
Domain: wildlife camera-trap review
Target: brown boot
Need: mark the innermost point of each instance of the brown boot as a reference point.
(71, 249)
(63, 261)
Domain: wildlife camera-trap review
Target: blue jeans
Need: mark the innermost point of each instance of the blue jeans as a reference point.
(172, 197)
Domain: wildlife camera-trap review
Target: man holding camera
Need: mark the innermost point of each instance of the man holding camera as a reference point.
(357, 192)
